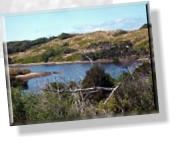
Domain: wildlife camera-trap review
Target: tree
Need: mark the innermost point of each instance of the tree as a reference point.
(96, 76)
(63, 36)
(49, 53)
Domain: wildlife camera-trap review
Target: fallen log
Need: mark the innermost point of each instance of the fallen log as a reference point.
(82, 89)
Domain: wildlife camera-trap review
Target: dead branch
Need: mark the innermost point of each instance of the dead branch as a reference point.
(112, 94)
(82, 90)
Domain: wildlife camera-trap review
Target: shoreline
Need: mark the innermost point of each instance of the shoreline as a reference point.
(32, 75)
(145, 59)
(59, 63)
(39, 74)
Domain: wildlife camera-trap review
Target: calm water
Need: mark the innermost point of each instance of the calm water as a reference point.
(67, 72)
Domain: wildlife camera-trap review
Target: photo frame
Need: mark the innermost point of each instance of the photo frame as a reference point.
(79, 63)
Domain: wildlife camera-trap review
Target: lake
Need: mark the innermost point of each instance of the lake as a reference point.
(68, 72)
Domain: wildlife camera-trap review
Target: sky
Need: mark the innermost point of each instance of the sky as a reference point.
(33, 26)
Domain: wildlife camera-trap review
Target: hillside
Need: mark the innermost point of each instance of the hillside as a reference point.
(97, 46)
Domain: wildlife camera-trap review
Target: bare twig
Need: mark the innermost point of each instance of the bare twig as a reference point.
(112, 94)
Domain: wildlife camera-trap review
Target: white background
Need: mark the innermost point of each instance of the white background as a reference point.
(144, 128)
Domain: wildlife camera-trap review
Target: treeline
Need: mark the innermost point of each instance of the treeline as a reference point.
(21, 46)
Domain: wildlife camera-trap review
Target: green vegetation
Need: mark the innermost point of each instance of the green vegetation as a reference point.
(16, 71)
(142, 48)
(119, 32)
(65, 36)
(74, 57)
(62, 102)
(76, 47)
(98, 94)
(30, 59)
(96, 76)
(146, 26)
(14, 82)
(118, 50)
(21, 46)
(47, 54)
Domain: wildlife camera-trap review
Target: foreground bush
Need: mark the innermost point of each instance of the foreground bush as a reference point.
(135, 94)
(61, 102)
(48, 106)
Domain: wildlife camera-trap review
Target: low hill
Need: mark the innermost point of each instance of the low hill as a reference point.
(97, 46)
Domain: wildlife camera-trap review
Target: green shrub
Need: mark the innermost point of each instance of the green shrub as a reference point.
(19, 113)
(14, 82)
(138, 94)
(21, 46)
(142, 48)
(69, 50)
(96, 76)
(65, 36)
(29, 59)
(134, 96)
(143, 70)
(47, 54)
(56, 86)
(119, 32)
(74, 57)
(111, 107)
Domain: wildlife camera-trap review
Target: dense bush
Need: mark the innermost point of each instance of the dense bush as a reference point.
(47, 106)
(96, 76)
(119, 32)
(142, 48)
(122, 49)
(19, 113)
(14, 82)
(136, 96)
(21, 46)
(69, 50)
(57, 103)
(100, 44)
(65, 36)
(74, 57)
(135, 93)
(47, 54)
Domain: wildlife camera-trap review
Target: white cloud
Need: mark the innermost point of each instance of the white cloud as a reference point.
(124, 24)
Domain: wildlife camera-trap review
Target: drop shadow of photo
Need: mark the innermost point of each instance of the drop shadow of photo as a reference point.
(118, 122)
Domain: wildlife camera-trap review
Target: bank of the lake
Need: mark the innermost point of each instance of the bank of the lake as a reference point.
(67, 72)
(60, 63)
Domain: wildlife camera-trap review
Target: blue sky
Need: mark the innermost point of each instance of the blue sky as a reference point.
(33, 26)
